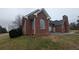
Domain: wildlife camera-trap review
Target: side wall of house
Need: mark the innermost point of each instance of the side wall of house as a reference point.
(59, 29)
(66, 25)
(26, 27)
(42, 31)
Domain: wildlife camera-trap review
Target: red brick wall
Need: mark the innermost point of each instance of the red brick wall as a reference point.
(28, 27)
(38, 30)
(24, 26)
(66, 23)
(59, 29)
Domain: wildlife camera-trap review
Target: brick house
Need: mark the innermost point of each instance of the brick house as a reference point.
(36, 23)
(60, 26)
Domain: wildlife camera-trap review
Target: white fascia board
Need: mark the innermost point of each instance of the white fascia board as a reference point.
(26, 17)
(48, 18)
(37, 13)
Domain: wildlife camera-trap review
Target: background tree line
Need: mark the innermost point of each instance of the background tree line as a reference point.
(75, 25)
(3, 30)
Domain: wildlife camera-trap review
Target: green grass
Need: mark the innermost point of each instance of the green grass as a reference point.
(70, 42)
(26, 42)
(39, 43)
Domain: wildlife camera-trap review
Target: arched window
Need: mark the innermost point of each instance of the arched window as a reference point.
(42, 24)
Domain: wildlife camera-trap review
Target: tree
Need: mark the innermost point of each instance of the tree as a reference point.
(3, 30)
(18, 21)
(16, 24)
(73, 26)
(78, 24)
(16, 29)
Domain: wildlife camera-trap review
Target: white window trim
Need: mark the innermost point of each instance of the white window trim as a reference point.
(34, 27)
(44, 24)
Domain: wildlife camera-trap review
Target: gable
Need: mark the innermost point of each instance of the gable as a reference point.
(42, 11)
(36, 12)
(41, 16)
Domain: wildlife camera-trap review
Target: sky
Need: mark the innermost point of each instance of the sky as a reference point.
(8, 15)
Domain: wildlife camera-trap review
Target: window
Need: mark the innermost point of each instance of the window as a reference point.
(33, 24)
(42, 24)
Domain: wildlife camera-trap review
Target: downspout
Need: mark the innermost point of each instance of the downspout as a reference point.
(34, 26)
(35, 15)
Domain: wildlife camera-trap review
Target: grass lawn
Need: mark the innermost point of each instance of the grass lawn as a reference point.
(52, 42)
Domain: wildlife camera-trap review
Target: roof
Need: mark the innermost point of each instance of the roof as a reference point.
(32, 13)
(37, 12)
(56, 22)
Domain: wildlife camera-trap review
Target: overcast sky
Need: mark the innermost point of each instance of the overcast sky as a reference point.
(7, 15)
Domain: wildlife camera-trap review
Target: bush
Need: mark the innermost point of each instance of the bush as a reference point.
(15, 33)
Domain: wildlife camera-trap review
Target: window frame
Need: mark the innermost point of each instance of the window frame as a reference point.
(33, 24)
(42, 24)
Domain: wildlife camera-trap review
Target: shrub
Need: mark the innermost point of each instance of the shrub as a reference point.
(15, 33)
